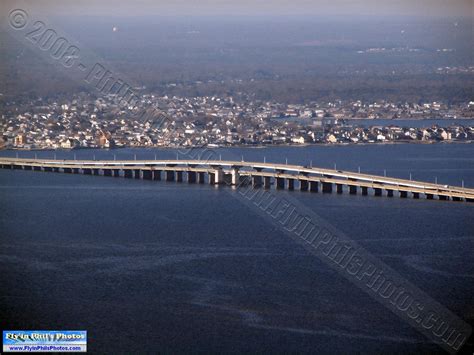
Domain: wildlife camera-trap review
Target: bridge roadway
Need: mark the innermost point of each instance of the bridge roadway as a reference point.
(259, 174)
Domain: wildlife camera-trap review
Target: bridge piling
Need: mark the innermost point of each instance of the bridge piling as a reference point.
(235, 176)
(147, 174)
(304, 186)
(191, 177)
(327, 187)
(313, 186)
(291, 184)
(169, 175)
(353, 190)
(365, 190)
(267, 182)
(256, 181)
(280, 183)
(201, 177)
(157, 175)
(389, 193)
(339, 188)
(377, 191)
(179, 176)
(403, 194)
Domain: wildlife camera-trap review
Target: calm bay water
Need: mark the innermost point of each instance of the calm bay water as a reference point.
(153, 266)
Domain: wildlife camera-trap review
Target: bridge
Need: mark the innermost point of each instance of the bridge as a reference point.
(260, 175)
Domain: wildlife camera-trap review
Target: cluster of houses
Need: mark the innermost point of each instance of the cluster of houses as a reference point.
(89, 122)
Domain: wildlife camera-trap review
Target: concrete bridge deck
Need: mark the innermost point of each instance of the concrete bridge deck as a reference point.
(259, 174)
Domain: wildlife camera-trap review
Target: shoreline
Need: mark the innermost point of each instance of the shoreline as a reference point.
(263, 146)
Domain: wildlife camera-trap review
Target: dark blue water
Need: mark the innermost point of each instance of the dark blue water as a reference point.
(149, 266)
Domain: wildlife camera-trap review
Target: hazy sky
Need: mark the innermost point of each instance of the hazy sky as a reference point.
(259, 7)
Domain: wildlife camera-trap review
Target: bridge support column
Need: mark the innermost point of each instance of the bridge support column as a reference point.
(353, 190)
(191, 177)
(377, 191)
(127, 173)
(256, 181)
(87, 171)
(429, 196)
(280, 183)
(314, 186)
(389, 193)
(267, 182)
(235, 176)
(169, 175)
(304, 185)
(365, 190)
(403, 194)
(327, 187)
(201, 177)
(157, 175)
(107, 172)
(147, 174)
(218, 176)
(291, 184)
(179, 176)
(416, 195)
(339, 188)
